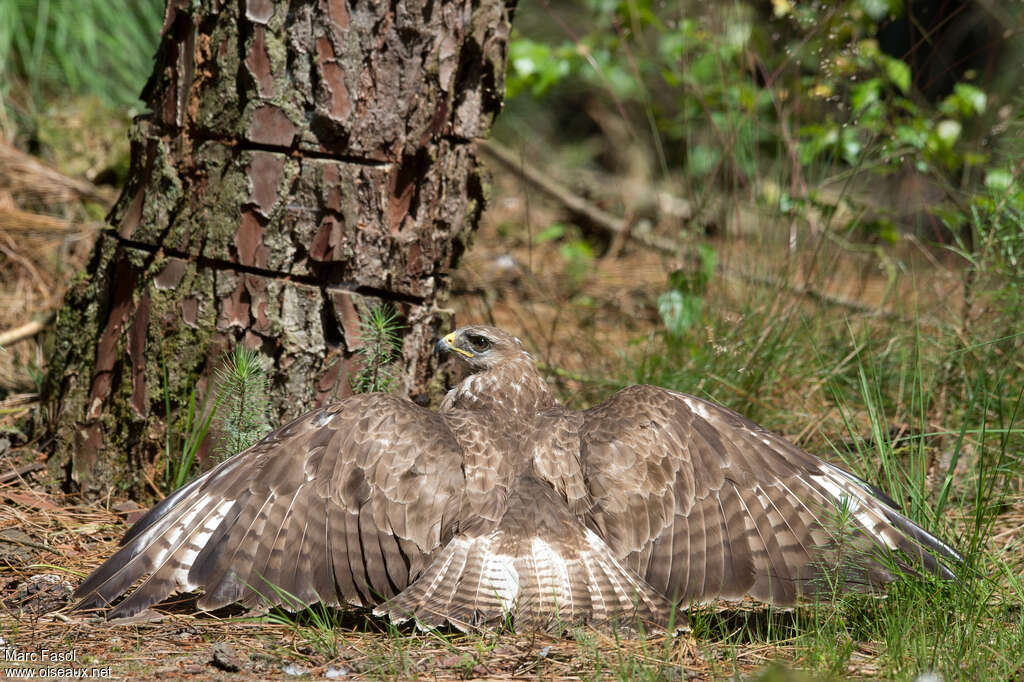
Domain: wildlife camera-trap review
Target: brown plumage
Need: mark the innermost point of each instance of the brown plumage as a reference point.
(506, 507)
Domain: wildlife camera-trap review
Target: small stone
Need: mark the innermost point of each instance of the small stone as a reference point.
(131, 511)
(13, 551)
(224, 658)
(44, 593)
(506, 262)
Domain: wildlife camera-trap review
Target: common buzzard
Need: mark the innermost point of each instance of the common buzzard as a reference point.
(505, 506)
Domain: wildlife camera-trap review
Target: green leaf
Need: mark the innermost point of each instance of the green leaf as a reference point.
(679, 312)
(708, 263)
(898, 73)
(973, 98)
(877, 9)
(551, 233)
(535, 66)
(578, 256)
(702, 159)
(948, 131)
(910, 136)
(865, 94)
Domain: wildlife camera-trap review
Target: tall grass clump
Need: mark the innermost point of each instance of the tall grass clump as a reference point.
(955, 482)
(56, 48)
(925, 624)
(184, 435)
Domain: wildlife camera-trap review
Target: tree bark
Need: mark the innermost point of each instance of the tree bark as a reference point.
(301, 160)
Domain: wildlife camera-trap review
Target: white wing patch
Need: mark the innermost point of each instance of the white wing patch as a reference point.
(197, 544)
(698, 406)
(322, 419)
(856, 500)
(174, 536)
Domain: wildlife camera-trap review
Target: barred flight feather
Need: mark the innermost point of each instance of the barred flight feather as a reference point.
(506, 508)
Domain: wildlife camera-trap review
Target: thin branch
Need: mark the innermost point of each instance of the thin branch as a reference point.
(25, 331)
(13, 219)
(616, 226)
(577, 205)
(21, 172)
(21, 471)
(25, 543)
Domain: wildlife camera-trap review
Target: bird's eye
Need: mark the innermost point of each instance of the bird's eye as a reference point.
(479, 343)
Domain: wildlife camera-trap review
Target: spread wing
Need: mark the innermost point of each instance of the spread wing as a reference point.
(705, 504)
(348, 503)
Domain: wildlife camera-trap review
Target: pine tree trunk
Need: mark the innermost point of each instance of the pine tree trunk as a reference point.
(302, 160)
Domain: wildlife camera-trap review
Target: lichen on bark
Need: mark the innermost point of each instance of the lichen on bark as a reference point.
(302, 160)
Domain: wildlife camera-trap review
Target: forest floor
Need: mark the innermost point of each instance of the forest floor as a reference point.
(588, 307)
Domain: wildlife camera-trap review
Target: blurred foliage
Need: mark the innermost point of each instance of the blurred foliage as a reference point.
(51, 50)
(740, 96)
(681, 307)
(575, 251)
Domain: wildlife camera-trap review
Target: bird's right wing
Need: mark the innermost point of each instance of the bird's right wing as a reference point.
(348, 503)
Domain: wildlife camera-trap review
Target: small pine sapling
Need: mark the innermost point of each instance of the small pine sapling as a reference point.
(381, 345)
(243, 390)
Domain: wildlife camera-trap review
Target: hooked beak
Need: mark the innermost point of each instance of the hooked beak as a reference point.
(447, 345)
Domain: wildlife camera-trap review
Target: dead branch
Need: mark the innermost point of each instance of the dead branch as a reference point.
(24, 543)
(612, 225)
(15, 219)
(617, 227)
(25, 331)
(21, 471)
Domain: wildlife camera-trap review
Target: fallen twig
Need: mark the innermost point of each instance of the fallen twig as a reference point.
(618, 227)
(24, 543)
(21, 471)
(577, 205)
(21, 172)
(16, 219)
(807, 292)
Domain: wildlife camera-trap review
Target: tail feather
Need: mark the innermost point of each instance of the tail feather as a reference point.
(542, 580)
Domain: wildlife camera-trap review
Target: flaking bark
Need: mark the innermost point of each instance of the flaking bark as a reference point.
(301, 161)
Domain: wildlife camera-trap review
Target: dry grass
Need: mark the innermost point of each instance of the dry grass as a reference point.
(47, 229)
(49, 543)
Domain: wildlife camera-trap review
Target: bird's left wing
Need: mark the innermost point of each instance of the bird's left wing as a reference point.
(705, 504)
(347, 503)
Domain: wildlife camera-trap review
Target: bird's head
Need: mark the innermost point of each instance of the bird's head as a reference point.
(480, 348)
(500, 374)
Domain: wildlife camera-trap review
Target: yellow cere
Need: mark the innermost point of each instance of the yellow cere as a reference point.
(450, 340)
